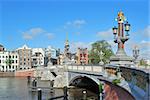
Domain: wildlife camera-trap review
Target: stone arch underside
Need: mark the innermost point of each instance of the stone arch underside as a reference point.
(83, 81)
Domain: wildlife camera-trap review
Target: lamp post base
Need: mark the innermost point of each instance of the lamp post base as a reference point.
(121, 58)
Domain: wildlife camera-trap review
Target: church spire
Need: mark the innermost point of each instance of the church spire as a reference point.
(66, 51)
(67, 41)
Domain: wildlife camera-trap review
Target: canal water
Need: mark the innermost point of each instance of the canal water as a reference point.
(17, 88)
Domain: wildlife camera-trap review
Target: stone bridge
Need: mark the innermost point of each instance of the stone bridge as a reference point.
(134, 83)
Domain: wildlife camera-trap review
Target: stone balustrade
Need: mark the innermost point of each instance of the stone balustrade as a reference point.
(94, 69)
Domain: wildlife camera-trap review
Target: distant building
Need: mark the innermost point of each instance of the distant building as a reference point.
(60, 59)
(1, 48)
(82, 56)
(37, 57)
(51, 55)
(9, 61)
(66, 57)
(25, 54)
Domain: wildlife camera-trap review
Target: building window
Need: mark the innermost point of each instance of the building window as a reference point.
(16, 61)
(16, 56)
(3, 67)
(24, 59)
(0, 61)
(24, 63)
(6, 56)
(3, 56)
(13, 56)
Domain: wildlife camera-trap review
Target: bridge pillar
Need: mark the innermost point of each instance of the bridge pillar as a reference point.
(66, 78)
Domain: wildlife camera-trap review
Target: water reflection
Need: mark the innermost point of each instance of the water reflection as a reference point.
(12, 88)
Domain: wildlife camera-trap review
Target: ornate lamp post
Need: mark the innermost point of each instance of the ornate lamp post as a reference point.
(101, 54)
(120, 38)
(136, 54)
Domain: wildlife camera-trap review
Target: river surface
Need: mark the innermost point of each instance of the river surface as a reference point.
(17, 88)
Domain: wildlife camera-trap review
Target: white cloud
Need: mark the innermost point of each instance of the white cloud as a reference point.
(74, 46)
(146, 31)
(79, 23)
(27, 36)
(50, 35)
(105, 34)
(34, 32)
(146, 54)
(145, 45)
(31, 33)
(75, 24)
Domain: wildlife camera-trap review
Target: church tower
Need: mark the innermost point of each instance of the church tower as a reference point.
(66, 49)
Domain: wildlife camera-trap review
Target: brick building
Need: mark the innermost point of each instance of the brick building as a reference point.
(82, 56)
(25, 54)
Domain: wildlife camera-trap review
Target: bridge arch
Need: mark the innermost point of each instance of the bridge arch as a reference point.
(85, 81)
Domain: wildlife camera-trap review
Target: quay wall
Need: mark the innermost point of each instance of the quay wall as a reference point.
(7, 74)
(25, 73)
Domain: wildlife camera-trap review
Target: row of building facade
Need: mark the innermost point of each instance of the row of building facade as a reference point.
(26, 58)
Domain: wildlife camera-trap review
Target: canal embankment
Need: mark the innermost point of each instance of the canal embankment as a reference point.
(7, 74)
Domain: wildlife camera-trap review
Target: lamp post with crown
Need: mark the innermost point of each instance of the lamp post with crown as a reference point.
(120, 38)
(136, 55)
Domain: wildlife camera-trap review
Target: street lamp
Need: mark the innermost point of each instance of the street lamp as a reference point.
(127, 28)
(136, 54)
(121, 36)
(84, 94)
(101, 54)
(115, 29)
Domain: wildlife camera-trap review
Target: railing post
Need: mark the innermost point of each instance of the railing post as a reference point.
(92, 68)
(34, 83)
(65, 93)
(39, 94)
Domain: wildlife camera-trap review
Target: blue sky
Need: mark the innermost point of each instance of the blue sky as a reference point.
(39, 23)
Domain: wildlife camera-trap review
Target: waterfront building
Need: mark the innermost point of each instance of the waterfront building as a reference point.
(9, 61)
(25, 54)
(37, 58)
(82, 56)
(1, 48)
(60, 59)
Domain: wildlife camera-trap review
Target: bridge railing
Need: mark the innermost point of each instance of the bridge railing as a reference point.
(84, 68)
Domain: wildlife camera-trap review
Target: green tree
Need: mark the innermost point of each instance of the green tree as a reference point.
(8, 62)
(94, 53)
